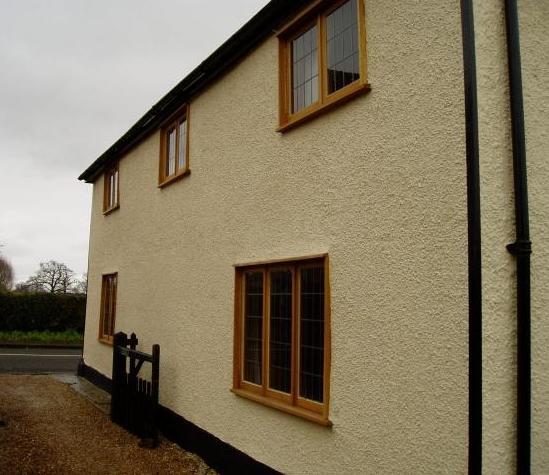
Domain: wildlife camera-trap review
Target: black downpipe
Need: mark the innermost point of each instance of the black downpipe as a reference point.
(522, 247)
(474, 242)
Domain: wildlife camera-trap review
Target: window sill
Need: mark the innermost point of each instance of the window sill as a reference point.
(335, 99)
(281, 406)
(104, 341)
(110, 210)
(173, 178)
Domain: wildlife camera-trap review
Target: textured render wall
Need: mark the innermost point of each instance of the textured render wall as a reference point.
(497, 200)
(497, 221)
(534, 21)
(379, 183)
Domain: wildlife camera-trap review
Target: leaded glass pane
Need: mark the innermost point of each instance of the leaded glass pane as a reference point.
(182, 151)
(170, 162)
(311, 344)
(115, 189)
(305, 70)
(111, 190)
(280, 331)
(343, 49)
(253, 327)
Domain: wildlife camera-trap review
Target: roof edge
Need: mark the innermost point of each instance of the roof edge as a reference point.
(221, 60)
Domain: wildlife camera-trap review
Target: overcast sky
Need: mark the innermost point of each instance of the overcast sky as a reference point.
(74, 76)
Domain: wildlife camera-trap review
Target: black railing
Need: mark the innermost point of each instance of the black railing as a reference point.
(134, 400)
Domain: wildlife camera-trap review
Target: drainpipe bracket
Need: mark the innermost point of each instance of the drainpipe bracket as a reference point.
(520, 247)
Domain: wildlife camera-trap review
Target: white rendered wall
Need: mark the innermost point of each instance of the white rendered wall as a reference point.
(379, 183)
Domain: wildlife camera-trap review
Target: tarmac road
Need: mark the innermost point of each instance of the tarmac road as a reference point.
(39, 360)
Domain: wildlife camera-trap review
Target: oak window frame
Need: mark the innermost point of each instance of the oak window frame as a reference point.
(174, 123)
(111, 200)
(316, 14)
(291, 403)
(109, 288)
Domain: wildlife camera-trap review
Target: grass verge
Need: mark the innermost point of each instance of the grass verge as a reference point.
(46, 337)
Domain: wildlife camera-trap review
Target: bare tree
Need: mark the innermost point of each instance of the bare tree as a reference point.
(6, 275)
(81, 285)
(53, 277)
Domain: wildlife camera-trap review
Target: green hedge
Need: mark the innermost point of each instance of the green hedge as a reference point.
(39, 312)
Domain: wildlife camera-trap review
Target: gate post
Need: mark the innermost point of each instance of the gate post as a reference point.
(155, 377)
(118, 370)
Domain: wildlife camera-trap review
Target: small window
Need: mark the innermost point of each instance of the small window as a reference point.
(174, 149)
(111, 190)
(282, 346)
(322, 60)
(108, 307)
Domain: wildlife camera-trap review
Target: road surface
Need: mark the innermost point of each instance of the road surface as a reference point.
(39, 360)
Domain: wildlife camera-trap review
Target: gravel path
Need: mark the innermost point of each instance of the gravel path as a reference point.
(52, 429)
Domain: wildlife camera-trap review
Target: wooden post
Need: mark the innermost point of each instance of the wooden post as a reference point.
(155, 382)
(132, 403)
(118, 361)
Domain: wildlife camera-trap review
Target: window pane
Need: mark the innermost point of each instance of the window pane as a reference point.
(113, 305)
(111, 190)
(170, 162)
(280, 341)
(311, 345)
(106, 307)
(343, 48)
(304, 69)
(109, 305)
(253, 327)
(115, 188)
(182, 159)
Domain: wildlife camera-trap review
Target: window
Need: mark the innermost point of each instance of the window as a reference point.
(174, 149)
(322, 60)
(108, 307)
(282, 336)
(111, 190)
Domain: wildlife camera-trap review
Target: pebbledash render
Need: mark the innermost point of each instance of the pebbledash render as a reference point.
(313, 226)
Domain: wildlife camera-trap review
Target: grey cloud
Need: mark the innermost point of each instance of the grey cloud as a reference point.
(75, 75)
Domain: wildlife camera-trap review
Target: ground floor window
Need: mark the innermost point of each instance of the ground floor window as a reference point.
(108, 307)
(282, 335)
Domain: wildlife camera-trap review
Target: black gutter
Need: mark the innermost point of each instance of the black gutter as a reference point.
(474, 241)
(522, 247)
(222, 59)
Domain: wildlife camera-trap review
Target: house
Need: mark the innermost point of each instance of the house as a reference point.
(313, 225)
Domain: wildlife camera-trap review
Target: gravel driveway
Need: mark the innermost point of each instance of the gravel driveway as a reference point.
(52, 429)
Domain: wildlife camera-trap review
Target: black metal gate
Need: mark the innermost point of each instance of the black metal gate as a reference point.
(134, 400)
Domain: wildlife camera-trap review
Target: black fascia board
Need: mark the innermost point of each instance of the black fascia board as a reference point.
(222, 59)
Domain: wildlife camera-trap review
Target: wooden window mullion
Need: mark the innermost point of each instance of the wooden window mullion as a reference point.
(322, 72)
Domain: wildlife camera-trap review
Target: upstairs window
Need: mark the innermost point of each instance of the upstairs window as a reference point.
(110, 189)
(282, 329)
(322, 60)
(108, 307)
(174, 149)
